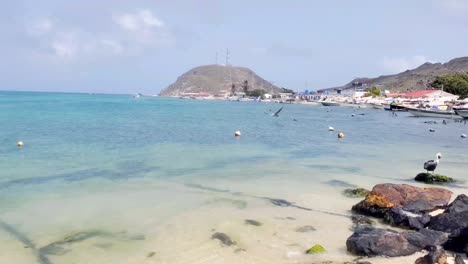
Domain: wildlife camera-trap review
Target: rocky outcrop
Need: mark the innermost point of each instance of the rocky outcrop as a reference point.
(409, 198)
(218, 80)
(369, 241)
(454, 221)
(411, 79)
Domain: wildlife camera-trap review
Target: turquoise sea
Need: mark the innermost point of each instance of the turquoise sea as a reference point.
(114, 179)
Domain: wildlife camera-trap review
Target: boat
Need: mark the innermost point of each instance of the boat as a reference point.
(421, 112)
(377, 106)
(330, 103)
(463, 112)
(396, 107)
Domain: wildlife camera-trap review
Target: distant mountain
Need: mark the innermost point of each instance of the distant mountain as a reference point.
(411, 80)
(217, 80)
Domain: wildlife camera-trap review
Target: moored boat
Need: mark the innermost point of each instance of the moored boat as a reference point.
(330, 103)
(420, 112)
(462, 112)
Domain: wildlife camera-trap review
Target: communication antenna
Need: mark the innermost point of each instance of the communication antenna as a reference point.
(227, 57)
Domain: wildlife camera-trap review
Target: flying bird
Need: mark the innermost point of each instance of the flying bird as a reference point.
(431, 165)
(277, 112)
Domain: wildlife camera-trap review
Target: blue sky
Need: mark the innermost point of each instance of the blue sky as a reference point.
(117, 46)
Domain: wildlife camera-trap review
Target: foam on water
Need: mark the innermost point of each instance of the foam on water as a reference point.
(132, 177)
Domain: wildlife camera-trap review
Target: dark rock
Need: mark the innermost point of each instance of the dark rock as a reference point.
(306, 228)
(433, 178)
(410, 198)
(435, 257)
(399, 217)
(355, 193)
(454, 220)
(252, 222)
(360, 221)
(225, 239)
(459, 259)
(151, 254)
(435, 238)
(369, 241)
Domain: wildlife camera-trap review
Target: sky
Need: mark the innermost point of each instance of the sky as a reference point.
(117, 46)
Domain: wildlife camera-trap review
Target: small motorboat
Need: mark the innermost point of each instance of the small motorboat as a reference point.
(330, 103)
(421, 112)
(463, 112)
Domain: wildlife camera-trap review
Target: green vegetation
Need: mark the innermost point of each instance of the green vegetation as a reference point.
(453, 83)
(374, 91)
(256, 93)
(316, 249)
(433, 178)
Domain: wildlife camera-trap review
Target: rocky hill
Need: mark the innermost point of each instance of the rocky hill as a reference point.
(411, 80)
(217, 80)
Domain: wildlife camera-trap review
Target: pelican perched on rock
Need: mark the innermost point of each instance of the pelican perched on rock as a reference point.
(431, 165)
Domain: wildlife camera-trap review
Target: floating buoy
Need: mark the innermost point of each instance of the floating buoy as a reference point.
(237, 133)
(463, 136)
(331, 129)
(340, 135)
(431, 130)
(19, 143)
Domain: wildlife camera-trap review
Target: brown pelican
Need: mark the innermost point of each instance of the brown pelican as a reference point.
(277, 112)
(431, 165)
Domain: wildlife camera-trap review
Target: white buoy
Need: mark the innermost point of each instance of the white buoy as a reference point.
(237, 133)
(463, 136)
(19, 143)
(341, 135)
(331, 129)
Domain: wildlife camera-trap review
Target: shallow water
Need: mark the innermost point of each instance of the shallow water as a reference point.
(154, 178)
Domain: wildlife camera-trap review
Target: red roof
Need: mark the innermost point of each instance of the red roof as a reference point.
(417, 94)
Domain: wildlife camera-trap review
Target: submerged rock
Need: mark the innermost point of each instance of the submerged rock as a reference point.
(252, 222)
(369, 241)
(316, 249)
(433, 178)
(356, 193)
(339, 183)
(306, 228)
(60, 247)
(280, 202)
(360, 221)
(410, 198)
(454, 220)
(434, 257)
(225, 239)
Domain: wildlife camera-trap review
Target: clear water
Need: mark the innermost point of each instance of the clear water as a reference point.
(145, 175)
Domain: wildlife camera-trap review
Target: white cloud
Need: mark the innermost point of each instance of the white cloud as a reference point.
(135, 32)
(139, 21)
(400, 64)
(41, 27)
(144, 27)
